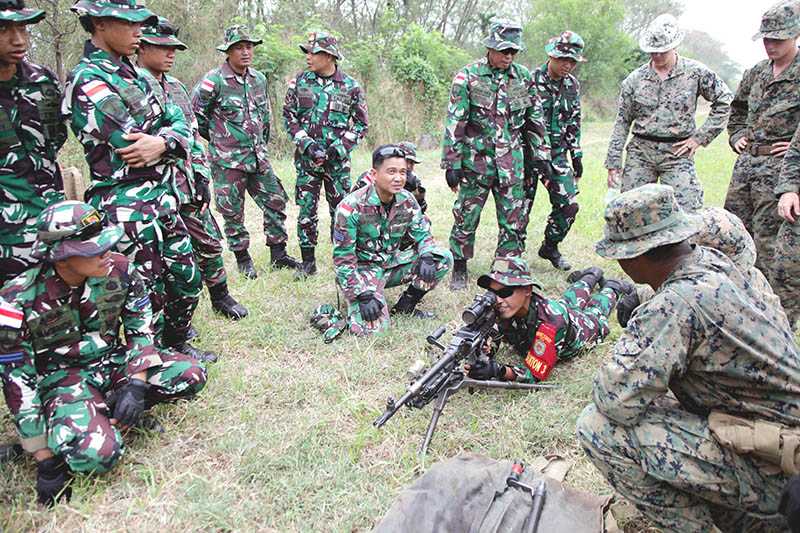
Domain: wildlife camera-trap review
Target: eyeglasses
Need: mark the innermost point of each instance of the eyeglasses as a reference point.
(503, 292)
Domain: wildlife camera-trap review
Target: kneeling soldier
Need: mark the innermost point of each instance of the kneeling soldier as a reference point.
(62, 358)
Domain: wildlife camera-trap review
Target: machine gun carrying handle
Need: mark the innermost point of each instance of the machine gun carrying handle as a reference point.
(434, 337)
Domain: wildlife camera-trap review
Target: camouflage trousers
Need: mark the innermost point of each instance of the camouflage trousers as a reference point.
(206, 240)
(588, 317)
(161, 251)
(335, 179)
(16, 243)
(266, 190)
(670, 466)
(651, 162)
(562, 190)
(77, 414)
(511, 209)
(785, 269)
(378, 279)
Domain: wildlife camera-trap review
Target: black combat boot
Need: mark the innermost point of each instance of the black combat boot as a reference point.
(179, 343)
(9, 452)
(621, 287)
(408, 301)
(592, 276)
(223, 303)
(245, 264)
(549, 251)
(309, 265)
(458, 278)
(278, 257)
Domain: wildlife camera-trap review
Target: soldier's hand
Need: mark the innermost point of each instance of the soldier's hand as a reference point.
(130, 402)
(543, 169)
(625, 308)
(486, 369)
(453, 176)
(145, 150)
(317, 154)
(789, 206)
(332, 154)
(577, 167)
(52, 476)
(427, 268)
(779, 148)
(740, 145)
(687, 147)
(614, 178)
(204, 194)
(369, 306)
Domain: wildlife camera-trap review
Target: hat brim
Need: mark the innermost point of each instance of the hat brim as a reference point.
(225, 47)
(484, 282)
(26, 15)
(504, 45)
(413, 159)
(97, 245)
(135, 14)
(170, 41)
(560, 55)
(661, 49)
(685, 228)
(316, 50)
(780, 35)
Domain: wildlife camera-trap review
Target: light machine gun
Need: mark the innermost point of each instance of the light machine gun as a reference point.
(447, 376)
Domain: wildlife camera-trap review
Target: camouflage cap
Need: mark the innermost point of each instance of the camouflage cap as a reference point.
(163, 33)
(504, 35)
(724, 231)
(15, 11)
(70, 228)
(781, 21)
(642, 219)
(662, 35)
(237, 34)
(568, 45)
(119, 9)
(410, 150)
(509, 271)
(320, 41)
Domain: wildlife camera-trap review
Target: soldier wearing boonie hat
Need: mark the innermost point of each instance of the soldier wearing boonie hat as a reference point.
(62, 349)
(542, 330)
(709, 362)
(658, 104)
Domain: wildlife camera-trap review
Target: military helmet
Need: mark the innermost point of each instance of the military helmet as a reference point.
(510, 271)
(319, 41)
(781, 21)
(15, 11)
(70, 228)
(568, 45)
(237, 34)
(504, 35)
(163, 33)
(662, 35)
(410, 150)
(119, 9)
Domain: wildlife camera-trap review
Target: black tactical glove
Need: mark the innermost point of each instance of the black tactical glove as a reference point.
(204, 194)
(453, 177)
(543, 169)
(316, 153)
(427, 268)
(625, 308)
(130, 402)
(52, 476)
(486, 369)
(577, 167)
(369, 306)
(332, 153)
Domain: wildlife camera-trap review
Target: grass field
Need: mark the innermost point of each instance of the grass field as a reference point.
(282, 438)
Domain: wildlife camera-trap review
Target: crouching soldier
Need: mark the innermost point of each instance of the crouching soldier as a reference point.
(62, 357)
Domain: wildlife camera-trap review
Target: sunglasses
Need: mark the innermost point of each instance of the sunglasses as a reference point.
(503, 292)
(391, 151)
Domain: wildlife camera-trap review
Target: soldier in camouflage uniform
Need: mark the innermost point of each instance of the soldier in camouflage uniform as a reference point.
(764, 116)
(560, 93)
(369, 226)
(71, 381)
(709, 345)
(132, 137)
(658, 102)
(786, 253)
(191, 178)
(233, 113)
(325, 114)
(31, 133)
(413, 180)
(543, 330)
(494, 115)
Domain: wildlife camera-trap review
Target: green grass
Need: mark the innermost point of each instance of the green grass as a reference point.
(282, 437)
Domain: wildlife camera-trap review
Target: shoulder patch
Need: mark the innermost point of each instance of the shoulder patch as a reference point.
(96, 91)
(207, 85)
(10, 315)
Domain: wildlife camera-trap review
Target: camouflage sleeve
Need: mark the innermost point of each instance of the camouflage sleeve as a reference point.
(716, 91)
(455, 124)
(98, 111)
(572, 127)
(204, 98)
(359, 123)
(291, 121)
(137, 318)
(622, 126)
(60, 138)
(176, 127)
(789, 180)
(537, 137)
(737, 122)
(420, 229)
(345, 260)
(650, 352)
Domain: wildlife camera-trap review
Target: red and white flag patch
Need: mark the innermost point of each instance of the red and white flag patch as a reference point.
(207, 85)
(96, 90)
(10, 316)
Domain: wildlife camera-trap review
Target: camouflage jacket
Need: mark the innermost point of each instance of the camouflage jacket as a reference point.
(331, 111)
(233, 114)
(666, 108)
(48, 330)
(561, 104)
(790, 171)
(712, 339)
(31, 133)
(766, 109)
(105, 99)
(491, 115)
(368, 234)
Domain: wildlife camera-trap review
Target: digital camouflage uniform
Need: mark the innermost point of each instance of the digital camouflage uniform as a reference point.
(766, 110)
(491, 116)
(709, 340)
(788, 242)
(561, 105)
(62, 357)
(331, 112)
(661, 113)
(366, 250)
(106, 98)
(233, 114)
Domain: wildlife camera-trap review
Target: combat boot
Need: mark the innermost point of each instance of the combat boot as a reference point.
(245, 264)
(621, 287)
(309, 265)
(458, 278)
(172, 340)
(592, 276)
(9, 452)
(407, 304)
(224, 304)
(280, 259)
(549, 250)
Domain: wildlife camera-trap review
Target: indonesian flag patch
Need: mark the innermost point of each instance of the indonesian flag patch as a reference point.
(542, 356)
(96, 90)
(10, 316)
(207, 85)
